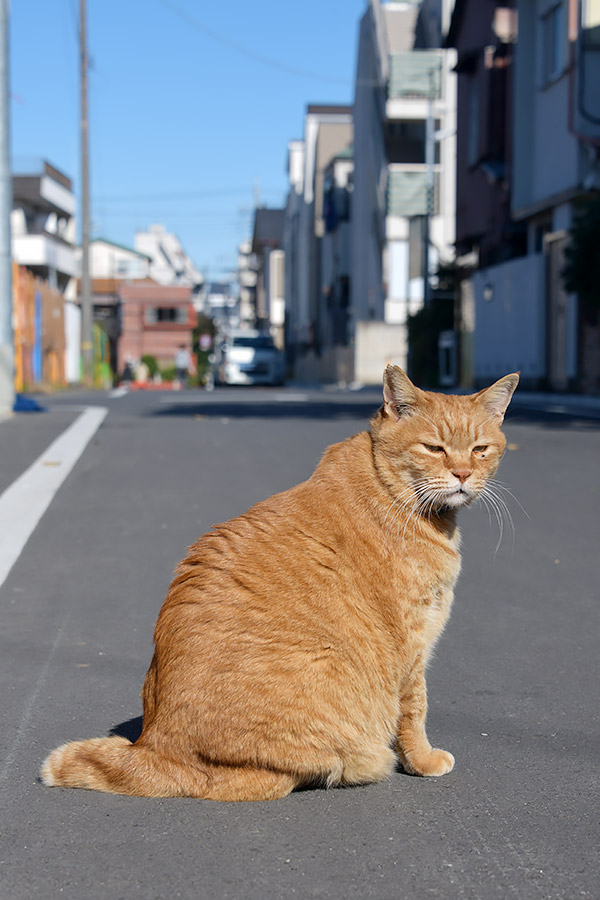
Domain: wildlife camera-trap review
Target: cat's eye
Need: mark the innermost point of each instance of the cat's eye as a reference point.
(434, 448)
(481, 448)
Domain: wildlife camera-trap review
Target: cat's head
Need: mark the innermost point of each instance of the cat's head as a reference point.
(444, 447)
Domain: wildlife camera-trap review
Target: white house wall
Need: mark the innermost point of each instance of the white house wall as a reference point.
(72, 343)
(109, 261)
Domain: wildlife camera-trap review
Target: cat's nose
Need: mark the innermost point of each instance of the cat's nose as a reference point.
(462, 474)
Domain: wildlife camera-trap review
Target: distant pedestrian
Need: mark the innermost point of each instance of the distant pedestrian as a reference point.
(184, 366)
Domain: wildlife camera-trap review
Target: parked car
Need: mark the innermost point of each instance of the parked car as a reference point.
(248, 357)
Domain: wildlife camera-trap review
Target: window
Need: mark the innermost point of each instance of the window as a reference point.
(261, 342)
(405, 141)
(161, 314)
(122, 267)
(590, 23)
(553, 44)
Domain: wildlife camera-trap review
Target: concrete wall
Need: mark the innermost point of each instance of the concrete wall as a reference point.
(510, 320)
(377, 345)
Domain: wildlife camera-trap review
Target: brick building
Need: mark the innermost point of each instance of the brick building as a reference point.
(155, 319)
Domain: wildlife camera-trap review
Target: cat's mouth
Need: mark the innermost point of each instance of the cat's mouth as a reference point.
(459, 497)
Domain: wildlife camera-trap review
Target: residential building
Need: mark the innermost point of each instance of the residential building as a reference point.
(43, 241)
(294, 243)
(267, 242)
(247, 278)
(484, 35)
(556, 159)
(169, 264)
(110, 265)
(110, 260)
(156, 320)
(336, 265)
(43, 225)
(404, 174)
(519, 187)
(218, 301)
(328, 130)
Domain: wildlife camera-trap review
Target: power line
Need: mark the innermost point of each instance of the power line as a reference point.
(183, 195)
(246, 51)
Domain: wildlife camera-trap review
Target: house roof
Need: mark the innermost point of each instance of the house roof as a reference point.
(151, 292)
(346, 153)
(102, 240)
(268, 228)
(329, 109)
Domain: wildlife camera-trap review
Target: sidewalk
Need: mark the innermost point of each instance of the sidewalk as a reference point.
(571, 404)
(559, 404)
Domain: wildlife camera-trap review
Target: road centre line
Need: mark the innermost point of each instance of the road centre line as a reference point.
(23, 504)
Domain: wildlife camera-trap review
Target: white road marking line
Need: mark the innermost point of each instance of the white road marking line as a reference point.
(23, 504)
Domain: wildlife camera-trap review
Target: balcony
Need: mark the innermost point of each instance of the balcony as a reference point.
(44, 251)
(415, 75)
(44, 188)
(407, 192)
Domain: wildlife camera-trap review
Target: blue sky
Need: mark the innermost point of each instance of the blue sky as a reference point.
(191, 106)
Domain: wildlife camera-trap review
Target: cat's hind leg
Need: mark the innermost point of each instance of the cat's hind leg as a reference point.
(248, 783)
(368, 766)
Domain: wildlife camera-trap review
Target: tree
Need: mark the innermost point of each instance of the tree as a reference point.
(581, 274)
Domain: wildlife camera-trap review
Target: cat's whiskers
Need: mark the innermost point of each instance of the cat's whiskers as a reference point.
(411, 502)
(406, 496)
(503, 487)
(494, 501)
(423, 506)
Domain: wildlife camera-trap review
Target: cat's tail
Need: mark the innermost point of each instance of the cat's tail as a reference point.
(117, 766)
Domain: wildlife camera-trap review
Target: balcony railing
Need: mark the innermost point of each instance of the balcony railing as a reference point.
(407, 193)
(415, 75)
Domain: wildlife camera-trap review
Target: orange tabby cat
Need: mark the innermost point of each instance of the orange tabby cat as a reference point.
(292, 645)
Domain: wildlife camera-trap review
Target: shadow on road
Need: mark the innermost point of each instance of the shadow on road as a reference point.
(257, 409)
(552, 420)
(352, 408)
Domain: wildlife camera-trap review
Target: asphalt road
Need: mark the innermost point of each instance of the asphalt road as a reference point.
(513, 686)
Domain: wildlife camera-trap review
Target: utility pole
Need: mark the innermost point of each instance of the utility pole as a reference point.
(87, 346)
(7, 389)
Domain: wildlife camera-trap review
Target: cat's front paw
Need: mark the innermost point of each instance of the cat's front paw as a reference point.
(435, 762)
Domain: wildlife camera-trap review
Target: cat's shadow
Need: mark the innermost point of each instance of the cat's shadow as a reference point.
(131, 729)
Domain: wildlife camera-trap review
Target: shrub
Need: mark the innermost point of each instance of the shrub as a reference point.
(168, 373)
(580, 273)
(151, 363)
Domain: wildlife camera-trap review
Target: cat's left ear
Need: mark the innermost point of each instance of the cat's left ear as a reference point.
(399, 393)
(496, 398)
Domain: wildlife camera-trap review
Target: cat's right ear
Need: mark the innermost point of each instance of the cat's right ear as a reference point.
(399, 393)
